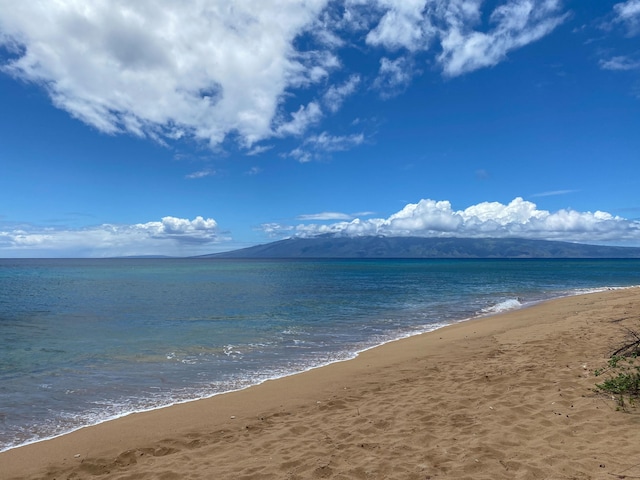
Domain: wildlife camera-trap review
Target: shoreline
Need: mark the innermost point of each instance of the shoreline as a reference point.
(105, 445)
(348, 357)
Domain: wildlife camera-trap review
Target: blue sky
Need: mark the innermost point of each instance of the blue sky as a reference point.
(184, 128)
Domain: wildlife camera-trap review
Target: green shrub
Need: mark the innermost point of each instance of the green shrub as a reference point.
(622, 374)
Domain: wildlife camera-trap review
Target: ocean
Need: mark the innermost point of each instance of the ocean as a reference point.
(87, 340)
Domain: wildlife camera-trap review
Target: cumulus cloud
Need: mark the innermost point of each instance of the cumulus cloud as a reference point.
(169, 236)
(217, 70)
(163, 68)
(519, 218)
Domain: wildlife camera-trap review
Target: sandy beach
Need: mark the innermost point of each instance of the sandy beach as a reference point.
(504, 397)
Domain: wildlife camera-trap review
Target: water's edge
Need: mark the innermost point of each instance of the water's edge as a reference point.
(509, 305)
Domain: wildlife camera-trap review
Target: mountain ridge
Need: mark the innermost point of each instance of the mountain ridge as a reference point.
(329, 246)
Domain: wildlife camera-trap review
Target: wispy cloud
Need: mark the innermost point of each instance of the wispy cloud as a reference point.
(519, 218)
(515, 24)
(334, 143)
(553, 193)
(254, 171)
(363, 214)
(201, 174)
(336, 94)
(328, 216)
(300, 120)
(259, 149)
(169, 236)
(394, 76)
(456, 26)
(317, 146)
(620, 63)
(275, 230)
(628, 14)
(325, 216)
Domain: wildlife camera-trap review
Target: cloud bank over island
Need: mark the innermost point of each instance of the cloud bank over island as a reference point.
(427, 218)
(519, 218)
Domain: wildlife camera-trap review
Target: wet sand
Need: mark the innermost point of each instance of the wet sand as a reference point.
(503, 397)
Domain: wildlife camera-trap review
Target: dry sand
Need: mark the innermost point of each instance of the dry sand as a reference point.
(505, 397)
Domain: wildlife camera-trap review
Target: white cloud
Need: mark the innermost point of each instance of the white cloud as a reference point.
(519, 218)
(628, 13)
(169, 236)
(394, 76)
(275, 230)
(165, 68)
(259, 149)
(325, 216)
(517, 23)
(336, 94)
(628, 9)
(334, 143)
(216, 70)
(301, 155)
(456, 25)
(201, 174)
(620, 63)
(316, 146)
(196, 228)
(553, 193)
(313, 67)
(402, 26)
(300, 120)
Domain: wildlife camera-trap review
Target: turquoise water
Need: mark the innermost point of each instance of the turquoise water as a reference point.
(83, 341)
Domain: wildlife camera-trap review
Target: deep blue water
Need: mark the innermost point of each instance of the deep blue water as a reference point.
(85, 340)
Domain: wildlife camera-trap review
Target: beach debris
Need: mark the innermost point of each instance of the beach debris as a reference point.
(77, 455)
(233, 417)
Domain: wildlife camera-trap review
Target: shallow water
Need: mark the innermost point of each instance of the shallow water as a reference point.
(82, 341)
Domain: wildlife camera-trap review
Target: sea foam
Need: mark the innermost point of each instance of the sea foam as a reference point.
(506, 305)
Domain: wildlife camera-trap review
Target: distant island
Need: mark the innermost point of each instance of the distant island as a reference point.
(418, 247)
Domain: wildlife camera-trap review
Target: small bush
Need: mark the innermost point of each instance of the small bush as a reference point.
(623, 373)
